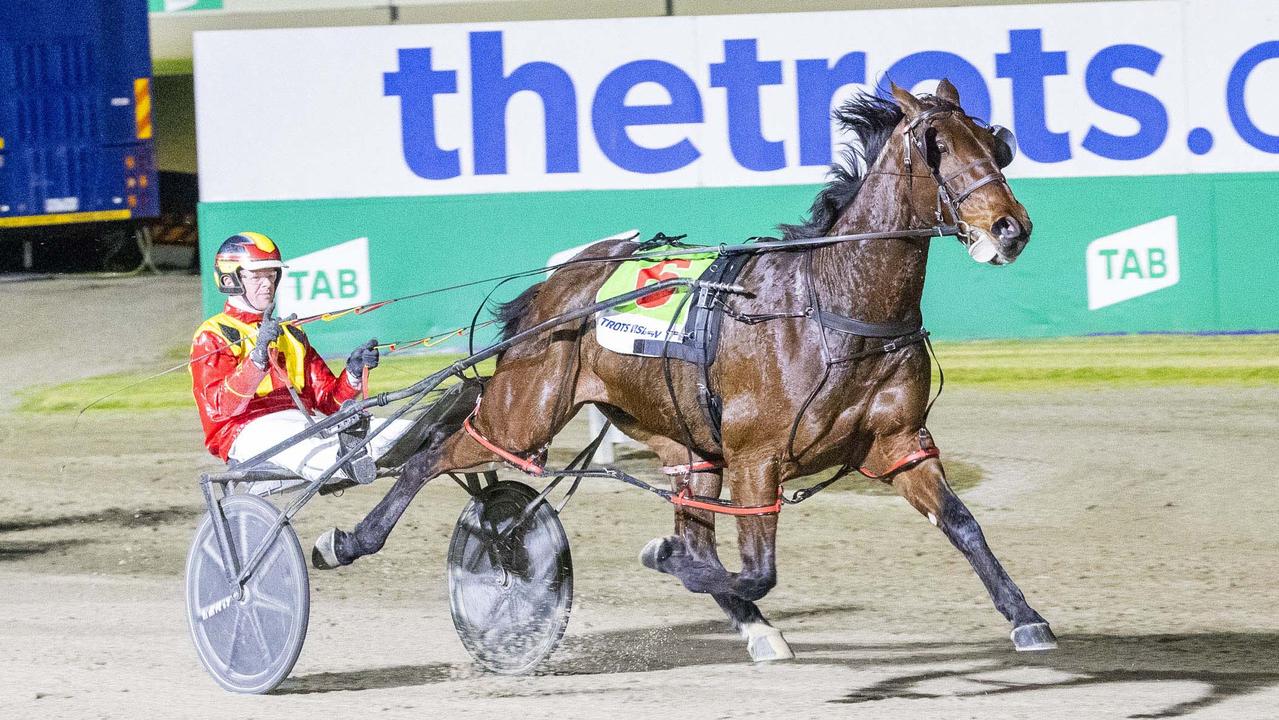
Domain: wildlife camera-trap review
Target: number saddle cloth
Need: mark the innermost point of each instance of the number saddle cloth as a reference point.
(667, 323)
(670, 323)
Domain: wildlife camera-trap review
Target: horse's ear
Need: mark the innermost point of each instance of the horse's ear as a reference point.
(947, 92)
(907, 102)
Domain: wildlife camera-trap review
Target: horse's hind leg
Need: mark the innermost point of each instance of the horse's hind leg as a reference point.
(520, 384)
(690, 554)
(336, 547)
(924, 487)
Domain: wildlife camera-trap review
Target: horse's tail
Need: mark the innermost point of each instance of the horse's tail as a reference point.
(509, 314)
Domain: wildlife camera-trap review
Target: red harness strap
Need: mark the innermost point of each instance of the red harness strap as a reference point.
(684, 498)
(927, 450)
(528, 466)
(697, 467)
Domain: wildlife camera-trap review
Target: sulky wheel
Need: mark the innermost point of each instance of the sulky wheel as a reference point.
(510, 588)
(249, 644)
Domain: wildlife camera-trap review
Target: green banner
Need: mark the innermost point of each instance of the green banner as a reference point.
(172, 6)
(1188, 253)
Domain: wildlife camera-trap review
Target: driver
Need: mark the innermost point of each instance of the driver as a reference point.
(243, 366)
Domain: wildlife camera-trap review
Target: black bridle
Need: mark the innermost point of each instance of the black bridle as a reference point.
(949, 199)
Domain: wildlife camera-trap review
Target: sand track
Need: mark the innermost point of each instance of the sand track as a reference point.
(1141, 522)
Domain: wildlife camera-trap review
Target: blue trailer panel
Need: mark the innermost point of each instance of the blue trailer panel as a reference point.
(75, 112)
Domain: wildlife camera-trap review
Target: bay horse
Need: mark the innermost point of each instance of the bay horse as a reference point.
(798, 395)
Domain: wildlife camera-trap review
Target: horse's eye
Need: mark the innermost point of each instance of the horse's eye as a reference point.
(941, 147)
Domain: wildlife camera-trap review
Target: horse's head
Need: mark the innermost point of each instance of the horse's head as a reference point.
(964, 158)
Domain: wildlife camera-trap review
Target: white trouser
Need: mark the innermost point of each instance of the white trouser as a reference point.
(308, 458)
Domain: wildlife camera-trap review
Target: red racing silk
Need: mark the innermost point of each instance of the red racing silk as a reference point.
(230, 390)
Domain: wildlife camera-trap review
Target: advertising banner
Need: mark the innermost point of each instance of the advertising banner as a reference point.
(1149, 134)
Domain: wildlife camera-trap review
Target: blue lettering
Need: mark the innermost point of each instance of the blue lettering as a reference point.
(742, 74)
(1140, 106)
(1235, 86)
(935, 65)
(610, 116)
(1026, 65)
(417, 84)
(818, 82)
(491, 90)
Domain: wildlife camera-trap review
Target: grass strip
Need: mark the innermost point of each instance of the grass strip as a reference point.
(173, 391)
(1111, 361)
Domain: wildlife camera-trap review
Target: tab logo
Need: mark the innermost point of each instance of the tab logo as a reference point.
(1132, 263)
(334, 278)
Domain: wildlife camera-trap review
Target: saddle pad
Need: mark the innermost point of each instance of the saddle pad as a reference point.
(648, 318)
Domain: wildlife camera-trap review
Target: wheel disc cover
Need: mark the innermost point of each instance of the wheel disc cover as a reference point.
(510, 598)
(250, 644)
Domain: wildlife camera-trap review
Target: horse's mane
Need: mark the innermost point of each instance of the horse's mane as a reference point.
(509, 314)
(871, 120)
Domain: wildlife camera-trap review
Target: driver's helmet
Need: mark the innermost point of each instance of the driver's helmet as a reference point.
(247, 251)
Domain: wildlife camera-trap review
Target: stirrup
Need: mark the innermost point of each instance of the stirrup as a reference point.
(360, 468)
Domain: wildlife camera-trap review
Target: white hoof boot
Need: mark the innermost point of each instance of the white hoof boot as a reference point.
(766, 643)
(324, 556)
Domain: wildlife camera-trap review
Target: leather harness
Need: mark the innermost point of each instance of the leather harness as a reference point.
(708, 307)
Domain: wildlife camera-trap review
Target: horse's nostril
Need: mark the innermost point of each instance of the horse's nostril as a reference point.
(1007, 229)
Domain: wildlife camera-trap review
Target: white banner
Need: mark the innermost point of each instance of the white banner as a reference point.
(1133, 88)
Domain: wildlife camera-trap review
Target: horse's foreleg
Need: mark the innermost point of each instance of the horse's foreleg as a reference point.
(925, 488)
(691, 554)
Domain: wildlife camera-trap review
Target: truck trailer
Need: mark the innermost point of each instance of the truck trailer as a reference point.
(77, 156)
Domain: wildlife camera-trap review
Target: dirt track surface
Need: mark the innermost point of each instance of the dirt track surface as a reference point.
(1140, 522)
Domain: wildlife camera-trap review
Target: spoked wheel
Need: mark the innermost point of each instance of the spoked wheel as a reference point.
(248, 644)
(511, 588)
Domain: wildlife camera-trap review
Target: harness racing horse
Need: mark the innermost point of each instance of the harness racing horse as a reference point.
(805, 381)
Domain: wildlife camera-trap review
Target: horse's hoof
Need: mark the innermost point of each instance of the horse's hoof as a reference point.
(766, 644)
(1034, 637)
(656, 552)
(324, 556)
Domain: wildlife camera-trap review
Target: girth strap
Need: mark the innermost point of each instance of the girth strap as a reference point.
(850, 326)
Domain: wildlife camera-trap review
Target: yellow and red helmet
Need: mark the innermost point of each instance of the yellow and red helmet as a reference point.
(244, 251)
